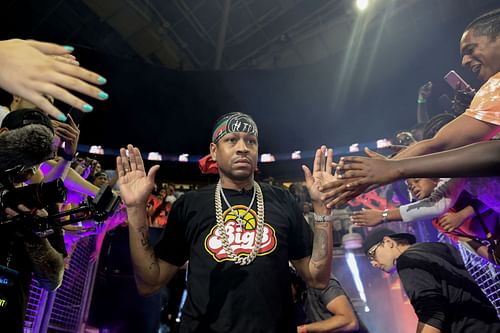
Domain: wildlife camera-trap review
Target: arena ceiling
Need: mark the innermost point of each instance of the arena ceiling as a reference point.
(221, 34)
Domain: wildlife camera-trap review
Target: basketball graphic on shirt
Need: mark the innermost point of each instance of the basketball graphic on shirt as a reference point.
(248, 221)
(240, 228)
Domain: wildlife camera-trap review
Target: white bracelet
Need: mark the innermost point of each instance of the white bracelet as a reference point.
(323, 218)
(385, 215)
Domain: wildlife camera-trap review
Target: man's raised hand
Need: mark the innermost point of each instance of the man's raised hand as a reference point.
(135, 184)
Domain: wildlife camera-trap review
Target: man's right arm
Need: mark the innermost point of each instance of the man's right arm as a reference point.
(461, 131)
(151, 273)
(479, 159)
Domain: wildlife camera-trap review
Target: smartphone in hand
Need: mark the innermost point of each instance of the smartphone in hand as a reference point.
(456, 82)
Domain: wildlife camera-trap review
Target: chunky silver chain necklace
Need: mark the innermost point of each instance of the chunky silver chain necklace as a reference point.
(240, 260)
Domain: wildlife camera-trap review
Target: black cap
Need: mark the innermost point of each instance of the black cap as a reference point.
(23, 117)
(100, 174)
(376, 236)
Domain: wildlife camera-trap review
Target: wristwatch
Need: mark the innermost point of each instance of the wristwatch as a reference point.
(385, 215)
(323, 218)
(67, 157)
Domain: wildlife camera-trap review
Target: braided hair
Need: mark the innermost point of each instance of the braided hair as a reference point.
(436, 123)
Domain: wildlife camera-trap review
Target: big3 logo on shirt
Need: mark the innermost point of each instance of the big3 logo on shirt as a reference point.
(241, 236)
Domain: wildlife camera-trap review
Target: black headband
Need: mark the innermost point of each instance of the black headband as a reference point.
(233, 122)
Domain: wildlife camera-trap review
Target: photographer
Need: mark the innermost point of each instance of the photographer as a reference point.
(26, 139)
(67, 133)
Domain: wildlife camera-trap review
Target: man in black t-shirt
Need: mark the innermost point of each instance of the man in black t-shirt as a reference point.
(237, 235)
(324, 310)
(330, 310)
(443, 294)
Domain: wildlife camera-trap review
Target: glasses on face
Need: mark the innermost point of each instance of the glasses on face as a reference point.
(371, 252)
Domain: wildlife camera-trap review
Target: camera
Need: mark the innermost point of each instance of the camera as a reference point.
(33, 196)
(39, 196)
(98, 209)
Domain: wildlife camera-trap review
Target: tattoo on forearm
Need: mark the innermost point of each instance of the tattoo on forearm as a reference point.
(144, 239)
(153, 266)
(320, 245)
(154, 261)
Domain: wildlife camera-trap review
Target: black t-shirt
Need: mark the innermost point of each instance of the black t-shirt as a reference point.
(317, 300)
(224, 296)
(16, 274)
(442, 292)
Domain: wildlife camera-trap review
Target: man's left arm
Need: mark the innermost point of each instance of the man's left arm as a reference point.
(315, 270)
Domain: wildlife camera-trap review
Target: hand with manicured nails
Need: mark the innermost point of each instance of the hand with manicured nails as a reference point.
(32, 70)
(67, 58)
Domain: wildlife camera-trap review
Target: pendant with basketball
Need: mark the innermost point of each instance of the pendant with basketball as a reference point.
(238, 217)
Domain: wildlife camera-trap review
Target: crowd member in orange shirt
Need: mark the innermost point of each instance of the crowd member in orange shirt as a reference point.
(480, 51)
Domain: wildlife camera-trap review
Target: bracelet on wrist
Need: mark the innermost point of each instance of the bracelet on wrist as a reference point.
(421, 100)
(66, 156)
(323, 218)
(385, 215)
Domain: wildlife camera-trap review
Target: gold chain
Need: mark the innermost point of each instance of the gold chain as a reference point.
(240, 260)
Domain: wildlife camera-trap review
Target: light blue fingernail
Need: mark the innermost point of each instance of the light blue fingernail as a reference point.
(101, 80)
(62, 117)
(103, 95)
(87, 108)
(69, 48)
